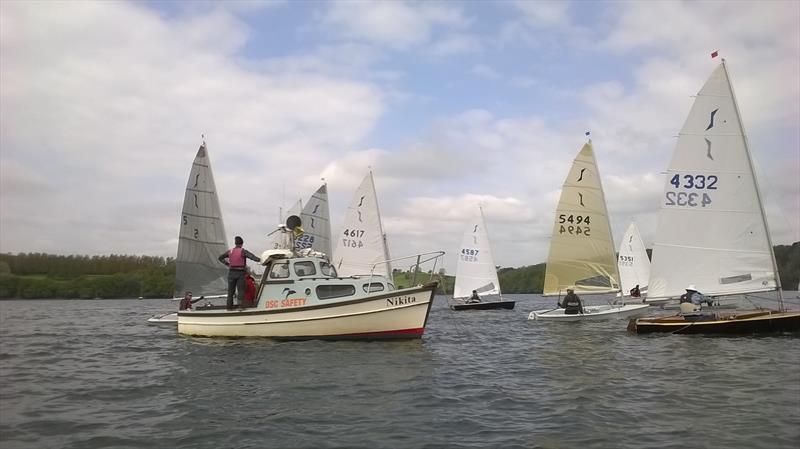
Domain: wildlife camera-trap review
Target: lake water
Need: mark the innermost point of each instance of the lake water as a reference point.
(93, 374)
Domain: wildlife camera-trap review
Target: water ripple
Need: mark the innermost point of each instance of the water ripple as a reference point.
(92, 374)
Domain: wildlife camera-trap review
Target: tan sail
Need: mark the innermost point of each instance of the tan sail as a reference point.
(582, 249)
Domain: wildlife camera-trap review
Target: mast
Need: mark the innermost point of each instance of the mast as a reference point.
(758, 190)
(608, 220)
(489, 245)
(380, 225)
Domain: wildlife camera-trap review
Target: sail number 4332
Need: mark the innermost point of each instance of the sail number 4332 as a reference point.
(691, 182)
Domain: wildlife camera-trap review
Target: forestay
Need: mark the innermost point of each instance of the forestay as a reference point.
(711, 231)
(633, 263)
(362, 243)
(582, 252)
(202, 236)
(476, 269)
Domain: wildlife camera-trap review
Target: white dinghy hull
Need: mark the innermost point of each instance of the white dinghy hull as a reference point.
(168, 319)
(400, 314)
(590, 313)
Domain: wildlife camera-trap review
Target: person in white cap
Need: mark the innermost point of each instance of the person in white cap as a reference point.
(692, 296)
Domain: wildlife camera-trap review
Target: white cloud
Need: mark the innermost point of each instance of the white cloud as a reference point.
(401, 25)
(106, 103)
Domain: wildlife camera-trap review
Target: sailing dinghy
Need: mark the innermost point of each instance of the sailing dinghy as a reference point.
(581, 253)
(201, 239)
(633, 263)
(476, 270)
(712, 231)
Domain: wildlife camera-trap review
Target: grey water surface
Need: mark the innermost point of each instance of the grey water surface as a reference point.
(94, 374)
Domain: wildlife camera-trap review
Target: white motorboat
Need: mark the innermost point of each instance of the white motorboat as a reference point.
(301, 297)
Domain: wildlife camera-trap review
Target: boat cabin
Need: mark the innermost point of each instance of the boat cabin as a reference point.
(303, 281)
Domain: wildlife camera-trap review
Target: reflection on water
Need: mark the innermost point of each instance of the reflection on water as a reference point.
(90, 374)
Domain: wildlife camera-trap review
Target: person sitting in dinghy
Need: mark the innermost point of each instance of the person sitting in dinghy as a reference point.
(187, 301)
(635, 292)
(695, 297)
(572, 303)
(474, 298)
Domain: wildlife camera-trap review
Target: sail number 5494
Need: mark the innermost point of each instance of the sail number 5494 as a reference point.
(571, 224)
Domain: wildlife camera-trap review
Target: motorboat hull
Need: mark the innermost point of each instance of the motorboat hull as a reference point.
(489, 305)
(400, 314)
(601, 312)
(742, 323)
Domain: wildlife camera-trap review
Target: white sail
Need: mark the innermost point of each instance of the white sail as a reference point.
(633, 263)
(476, 269)
(362, 243)
(711, 228)
(316, 221)
(582, 253)
(201, 239)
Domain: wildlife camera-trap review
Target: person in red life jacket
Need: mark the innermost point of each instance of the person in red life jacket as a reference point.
(250, 290)
(237, 264)
(187, 301)
(572, 303)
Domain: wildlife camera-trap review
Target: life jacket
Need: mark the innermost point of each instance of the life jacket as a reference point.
(250, 290)
(686, 297)
(186, 304)
(572, 305)
(236, 257)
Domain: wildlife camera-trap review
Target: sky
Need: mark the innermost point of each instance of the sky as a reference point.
(451, 104)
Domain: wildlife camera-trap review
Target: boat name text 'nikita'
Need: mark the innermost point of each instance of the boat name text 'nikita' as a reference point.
(400, 300)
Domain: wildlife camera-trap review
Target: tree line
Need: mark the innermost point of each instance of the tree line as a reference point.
(39, 275)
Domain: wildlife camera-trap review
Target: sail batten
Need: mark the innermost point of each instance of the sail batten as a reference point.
(582, 253)
(711, 230)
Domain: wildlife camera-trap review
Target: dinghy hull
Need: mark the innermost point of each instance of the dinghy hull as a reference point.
(742, 323)
(603, 312)
(490, 305)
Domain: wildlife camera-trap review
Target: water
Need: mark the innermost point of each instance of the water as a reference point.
(92, 374)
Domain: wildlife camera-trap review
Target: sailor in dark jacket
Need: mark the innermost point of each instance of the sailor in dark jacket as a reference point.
(572, 303)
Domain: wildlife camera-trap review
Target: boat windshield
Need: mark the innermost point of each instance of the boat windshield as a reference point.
(280, 270)
(327, 269)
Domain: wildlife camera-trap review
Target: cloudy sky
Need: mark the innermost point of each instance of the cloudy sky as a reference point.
(452, 104)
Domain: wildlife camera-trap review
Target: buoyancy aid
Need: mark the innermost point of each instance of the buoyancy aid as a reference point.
(236, 258)
(572, 305)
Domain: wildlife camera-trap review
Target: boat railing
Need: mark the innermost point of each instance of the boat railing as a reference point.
(419, 259)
